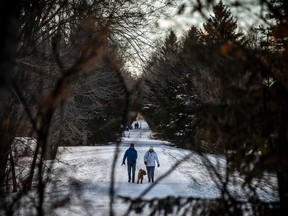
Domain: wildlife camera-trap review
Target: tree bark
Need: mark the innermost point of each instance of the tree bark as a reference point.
(282, 173)
(9, 24)
(13, 172)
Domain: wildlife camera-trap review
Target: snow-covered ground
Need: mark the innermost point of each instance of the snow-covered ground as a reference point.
(91, 167)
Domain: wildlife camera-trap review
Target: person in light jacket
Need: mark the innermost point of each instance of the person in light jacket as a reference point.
(150, 158)
(131, 155)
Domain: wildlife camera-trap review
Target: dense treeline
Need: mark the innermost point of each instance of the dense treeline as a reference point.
(224, 91)
(190, 72)
(64, 83)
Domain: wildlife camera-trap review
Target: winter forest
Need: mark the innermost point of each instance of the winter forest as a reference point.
(208, 77)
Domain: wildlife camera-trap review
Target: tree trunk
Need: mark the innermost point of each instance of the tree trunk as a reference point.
(282, 173)
(4, 152)
(283, 168)
(14, 182)
(9, 24)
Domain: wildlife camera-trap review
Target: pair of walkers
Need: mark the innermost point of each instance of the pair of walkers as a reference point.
(150, 158)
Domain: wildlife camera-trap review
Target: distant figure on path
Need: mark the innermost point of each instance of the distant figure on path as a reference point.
(150, 158)
(136, 125)
(131, 155)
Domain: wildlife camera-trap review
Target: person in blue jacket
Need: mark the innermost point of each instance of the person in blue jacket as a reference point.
(131, 155)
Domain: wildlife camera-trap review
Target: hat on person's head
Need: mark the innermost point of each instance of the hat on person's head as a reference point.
(151, 148)
(132, 145)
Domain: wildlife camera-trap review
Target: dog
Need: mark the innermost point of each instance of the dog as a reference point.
(141, 174)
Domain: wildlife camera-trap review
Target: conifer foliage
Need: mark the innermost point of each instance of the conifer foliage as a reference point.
(239, 104)
(221, 26)
(169, 95)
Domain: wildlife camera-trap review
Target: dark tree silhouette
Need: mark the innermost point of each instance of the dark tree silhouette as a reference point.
(244, 118)
(212, 91)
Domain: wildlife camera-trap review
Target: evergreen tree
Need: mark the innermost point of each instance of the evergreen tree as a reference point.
(221, 26)
(193, 48)
(278, 32)
(160, 90)
(249, 116)
(276, 74)
(170, 94)
(170, 48)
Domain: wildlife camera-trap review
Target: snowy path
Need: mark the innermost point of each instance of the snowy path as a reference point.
(92, 167)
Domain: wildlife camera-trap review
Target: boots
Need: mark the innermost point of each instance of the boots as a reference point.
(149, 180)
(152, 179)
